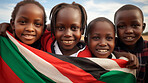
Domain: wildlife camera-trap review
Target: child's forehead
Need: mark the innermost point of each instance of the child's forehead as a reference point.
(98, 24)
(101, 26)
(30, 8)
(69, 10)
(69, 13)
(129, 12)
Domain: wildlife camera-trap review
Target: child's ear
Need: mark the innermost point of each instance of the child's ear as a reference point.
(144, 25)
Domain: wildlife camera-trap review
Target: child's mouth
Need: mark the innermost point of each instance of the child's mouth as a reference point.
(129, 38)
(68, 42)
(28, 36)
(102, 51)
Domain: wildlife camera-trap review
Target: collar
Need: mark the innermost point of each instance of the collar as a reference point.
(58, 51)
(138, 48)
(111, 56)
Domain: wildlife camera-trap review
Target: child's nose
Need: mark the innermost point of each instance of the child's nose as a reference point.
(102, 43)
(30, 28)
(68, 33)
(129, 30)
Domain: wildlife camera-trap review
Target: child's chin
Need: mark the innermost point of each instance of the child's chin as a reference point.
(28, 43)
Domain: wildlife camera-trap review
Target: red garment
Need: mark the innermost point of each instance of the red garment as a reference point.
(47, 41)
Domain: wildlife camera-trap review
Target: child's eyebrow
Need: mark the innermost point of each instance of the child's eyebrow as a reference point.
(135, 21)
(95, 33)
(75, 25)
(109, 34)
(24, 17)
(37, 19)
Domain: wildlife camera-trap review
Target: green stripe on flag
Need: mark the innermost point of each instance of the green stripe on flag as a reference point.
(117, 77)
(21, 67)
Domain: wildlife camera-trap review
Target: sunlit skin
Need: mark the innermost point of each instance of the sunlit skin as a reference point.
(67, 32)
(129, 27)
(101, 39)
(29, 23)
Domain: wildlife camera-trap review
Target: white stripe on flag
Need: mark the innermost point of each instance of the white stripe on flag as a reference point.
(40, 64)
(106, 64)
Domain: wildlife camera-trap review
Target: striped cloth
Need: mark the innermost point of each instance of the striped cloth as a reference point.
(22, 63)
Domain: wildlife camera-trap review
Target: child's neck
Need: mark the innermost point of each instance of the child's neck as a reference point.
(131, 47)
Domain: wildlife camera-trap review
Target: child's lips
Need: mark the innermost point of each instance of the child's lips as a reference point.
(129, 38)
(28, 36)
(102, 51)
(68, 42)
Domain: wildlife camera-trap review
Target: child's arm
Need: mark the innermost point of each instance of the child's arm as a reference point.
(4, 27)
(133, 62)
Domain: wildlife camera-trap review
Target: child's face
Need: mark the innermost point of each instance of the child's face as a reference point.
(101, 39)
(29, 23)
(67, 31)
(129, 26)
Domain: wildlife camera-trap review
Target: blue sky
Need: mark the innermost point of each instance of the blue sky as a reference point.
(94, 8)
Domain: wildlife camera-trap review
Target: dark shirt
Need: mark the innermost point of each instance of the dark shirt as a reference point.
(141, 51)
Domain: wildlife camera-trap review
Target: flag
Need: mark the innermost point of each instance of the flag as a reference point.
(21, 63)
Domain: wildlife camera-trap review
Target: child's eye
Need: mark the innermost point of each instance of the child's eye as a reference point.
(96, 38)
(135, 25)
(121, 26)
(22, 22)
(61, 28)
(109, 38)
(74, 28)
(38, 24)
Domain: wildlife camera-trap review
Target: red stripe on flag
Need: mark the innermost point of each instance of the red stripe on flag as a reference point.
(122, 63)
(6, 74)
(65, 68)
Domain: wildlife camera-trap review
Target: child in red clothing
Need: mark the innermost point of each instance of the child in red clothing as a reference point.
(68, 22)
(100, 38)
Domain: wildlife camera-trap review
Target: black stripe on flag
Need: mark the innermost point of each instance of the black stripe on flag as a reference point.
(87, 65)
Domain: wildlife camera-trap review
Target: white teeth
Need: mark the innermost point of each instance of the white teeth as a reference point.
(129, 37)
(68, 42)
(102, 50)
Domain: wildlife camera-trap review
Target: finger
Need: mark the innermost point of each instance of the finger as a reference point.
(132, 67)
(133, 64)
(130, 61)
(130, 57)
(137, 62)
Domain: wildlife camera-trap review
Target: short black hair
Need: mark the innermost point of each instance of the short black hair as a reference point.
(129, 7)
(101, 19)
(57, 8)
